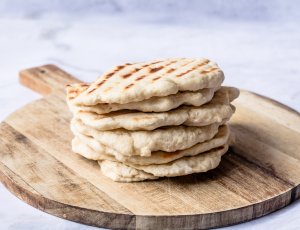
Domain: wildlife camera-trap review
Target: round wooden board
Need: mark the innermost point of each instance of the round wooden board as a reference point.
(259, 174)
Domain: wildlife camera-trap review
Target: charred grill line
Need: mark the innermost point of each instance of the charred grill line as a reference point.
(128, 86)
(193, 68)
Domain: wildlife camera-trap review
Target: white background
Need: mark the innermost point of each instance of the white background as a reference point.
(256, 43)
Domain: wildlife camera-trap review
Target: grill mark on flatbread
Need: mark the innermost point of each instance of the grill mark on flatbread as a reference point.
(155, 69)
(129, 74)
(154, 79)
(140, 78)
(193, 68)
(101, 83)
(128, 86)
(132, 72)
(148, 65)
(151, 71)
(109, 75)
(208, 70)
(174, 69)
(155, 62)
(81, 91)
(139, 69)
(92, 90)
(73, 90)
(98, 86)
(118, 69)
(186, 72)
(171, 70)
(185, 64)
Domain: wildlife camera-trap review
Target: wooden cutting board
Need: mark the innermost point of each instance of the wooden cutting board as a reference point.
(258, 175)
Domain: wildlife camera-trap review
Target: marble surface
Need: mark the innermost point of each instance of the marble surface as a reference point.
(256, 43)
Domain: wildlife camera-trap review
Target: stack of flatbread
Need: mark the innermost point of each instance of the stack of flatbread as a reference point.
(155, 119)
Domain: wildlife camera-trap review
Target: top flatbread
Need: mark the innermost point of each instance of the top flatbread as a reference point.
(134, 82)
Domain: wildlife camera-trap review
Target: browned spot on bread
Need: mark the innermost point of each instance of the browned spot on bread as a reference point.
(140, 77)
(142, 118)
(128, 86)
(168, 155)
(84, 84)
(71, 98)
(126, 75)
(101, 82)
(171, 70)
(156, 78)
(208, 70)
(109, 75)
(119, 67)
(153, 70)
(92, 90)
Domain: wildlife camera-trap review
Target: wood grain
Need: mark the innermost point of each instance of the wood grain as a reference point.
(259, 174)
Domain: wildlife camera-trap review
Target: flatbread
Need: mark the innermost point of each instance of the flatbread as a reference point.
(216, 111)
(134, 82)
(187, 165)
(168, 139)
(123, 173)
(153, 104)
(93, 150)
